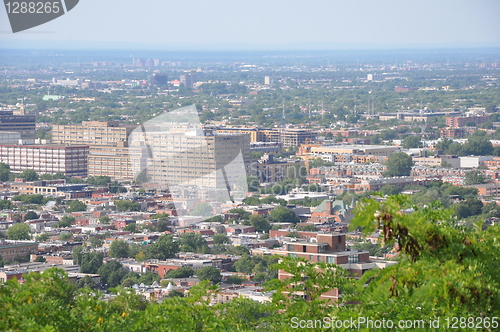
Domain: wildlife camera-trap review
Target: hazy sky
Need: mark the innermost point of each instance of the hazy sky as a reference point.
(239, 23)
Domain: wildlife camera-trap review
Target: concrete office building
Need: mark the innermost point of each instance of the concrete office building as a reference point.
(108, 142)
(186, 157)
(23, 124)
(92, 133)
(112, 161)
(49, 158)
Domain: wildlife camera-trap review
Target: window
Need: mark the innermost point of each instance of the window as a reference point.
(353, 258)
(330, 259)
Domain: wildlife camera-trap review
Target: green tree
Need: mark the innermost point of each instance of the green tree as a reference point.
(242, 214)
(112, 273)
(283, 214)
(474, 177)
(479, 146)
(95, 241)
(19, 232)
(40, 259)
(221, 239)
(306, 228)
(65, 236)
(104, 220)
(163, 248)
(100, 180)
(209, 273)
(244, 265)
(119, 249)
(412, 142)
(42, 237)
(76, 206)
(66, 221)
(29, 175)
(5, 205)
(4, 172)
(443, 267)
(127, 206)
(89, 262)
(183, 272)
(132, 227)
(398, 164)
(235, 280)
(141, 256)
(192, 242)
(259, 223)
(30, 215)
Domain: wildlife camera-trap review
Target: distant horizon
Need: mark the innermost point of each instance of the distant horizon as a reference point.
(217, 47)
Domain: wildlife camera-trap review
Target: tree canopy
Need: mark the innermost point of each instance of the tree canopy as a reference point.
(398, 164)
(19, 232)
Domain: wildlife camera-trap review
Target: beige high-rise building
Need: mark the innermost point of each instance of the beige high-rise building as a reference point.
(203, 159)
(91, 132)
(108, 141)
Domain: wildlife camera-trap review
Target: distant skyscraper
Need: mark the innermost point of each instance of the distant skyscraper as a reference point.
(267, 80)
(156, 62)
(188, 79)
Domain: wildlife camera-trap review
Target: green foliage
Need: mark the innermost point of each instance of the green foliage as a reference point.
(475, 145)
(40, 259)
(19, 232)
(209, 273)
(132, 227)
(235, 280)
(4, 172)
(29, 175)
(65, 236)
(398, 164)
(127, 206)
(192, 242)
(5, 205)
(469, 207)
(293, 234)
(373, 249)
(42, 237)
(260, 223)
(242, 214)
(30, 215)
(300, 295)
(221, 239)
(283, 214)
(29, 199)
(104, 220)
(98, 180)
(444, 269)
(307, 228)
(76, 206)
(412, 142)
(119, 249)
(474, 177)
(89, 262)
(183, 272)
(163, 248)
(66, 221)
(112, 273)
